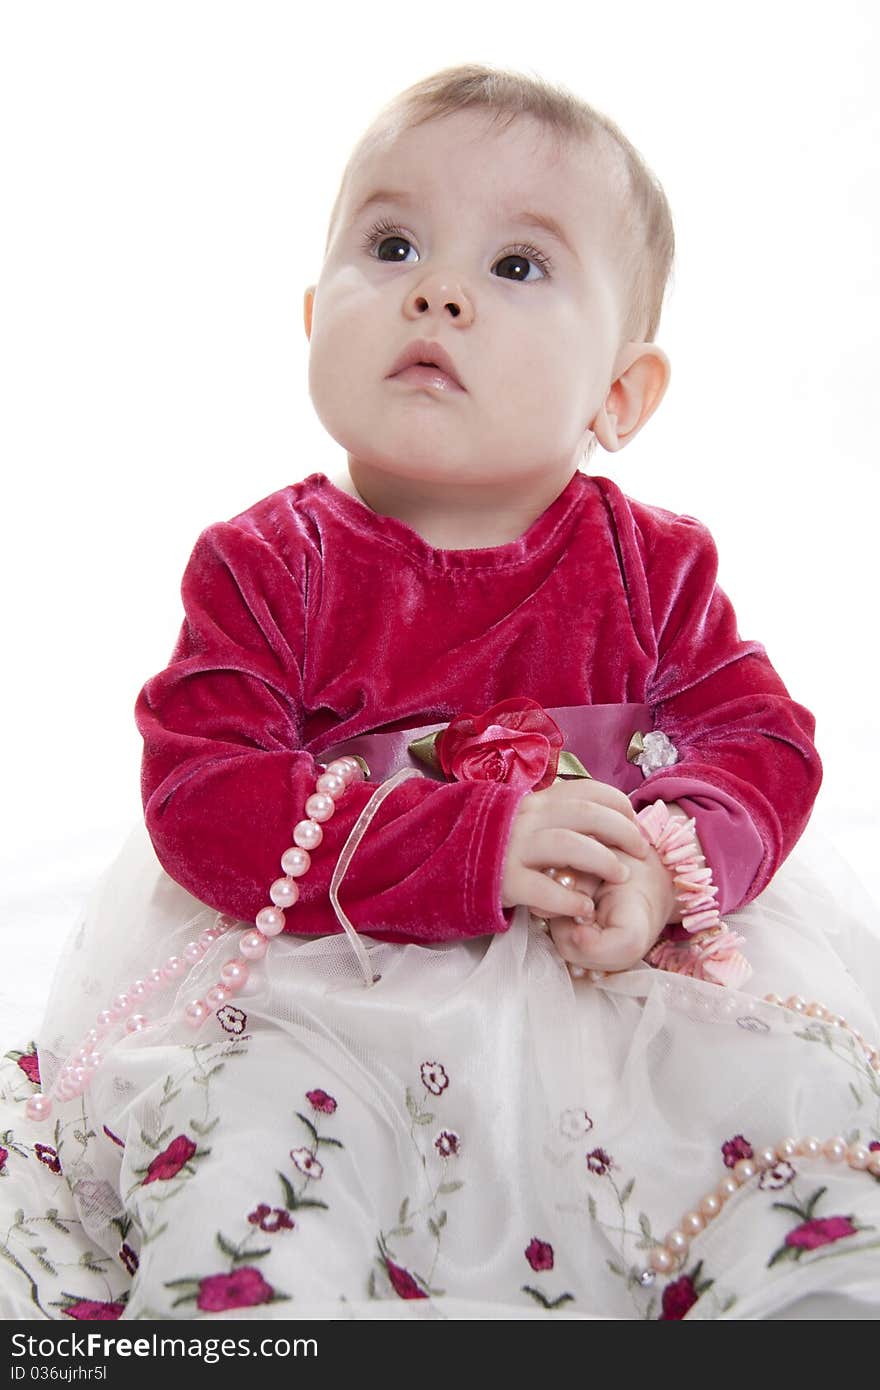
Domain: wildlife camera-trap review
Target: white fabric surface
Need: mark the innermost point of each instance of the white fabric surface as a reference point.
(46, 886)
(667, 1068)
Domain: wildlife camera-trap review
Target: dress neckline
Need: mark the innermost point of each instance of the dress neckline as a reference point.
(398, 533)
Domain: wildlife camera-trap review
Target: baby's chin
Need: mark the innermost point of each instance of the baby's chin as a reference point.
(435, 468)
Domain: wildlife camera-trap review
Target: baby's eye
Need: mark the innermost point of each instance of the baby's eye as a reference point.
(382, 238)
(389, 244)
(525, 254)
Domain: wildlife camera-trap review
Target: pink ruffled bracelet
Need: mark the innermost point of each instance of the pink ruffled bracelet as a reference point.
(701, 945)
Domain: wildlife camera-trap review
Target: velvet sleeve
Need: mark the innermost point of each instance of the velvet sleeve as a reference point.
(225, 776)
(747, 769)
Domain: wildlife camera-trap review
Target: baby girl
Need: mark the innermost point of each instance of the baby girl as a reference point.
(526, 758)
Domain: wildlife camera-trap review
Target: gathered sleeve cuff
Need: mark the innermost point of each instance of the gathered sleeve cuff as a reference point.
(748, 769)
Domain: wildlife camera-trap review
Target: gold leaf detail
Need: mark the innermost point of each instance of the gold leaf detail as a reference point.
(571, 766)
(636, 747)
(423, 748)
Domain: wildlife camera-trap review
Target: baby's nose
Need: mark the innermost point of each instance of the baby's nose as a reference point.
(439, 293)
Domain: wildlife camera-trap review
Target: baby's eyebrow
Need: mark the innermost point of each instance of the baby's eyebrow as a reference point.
(524, 218)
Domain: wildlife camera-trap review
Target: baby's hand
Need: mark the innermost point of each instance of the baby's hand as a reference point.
(570, 825)
(627, 920)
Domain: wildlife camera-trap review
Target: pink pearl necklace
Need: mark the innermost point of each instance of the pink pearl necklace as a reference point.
(667, 1257)
(81, 1066)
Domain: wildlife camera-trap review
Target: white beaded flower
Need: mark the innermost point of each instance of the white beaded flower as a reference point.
(657, 751)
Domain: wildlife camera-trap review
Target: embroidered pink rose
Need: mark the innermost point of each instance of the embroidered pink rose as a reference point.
(678, 1297)
(821, 1231)
(447, 1143)
(169, 1162)
(47, 1155)
(307, 1163)
(434, 1077)
(30, 1065)
(515, 742)
(402, 1282)
(735, 1149)
(319, 1100)
(599, 1162)
(90, 1311)
(539, 1254)
(4, 1154)
(271, 1219)
(243, 1288)
(129, 1259)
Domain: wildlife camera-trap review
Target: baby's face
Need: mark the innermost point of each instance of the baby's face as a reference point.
(530, 321)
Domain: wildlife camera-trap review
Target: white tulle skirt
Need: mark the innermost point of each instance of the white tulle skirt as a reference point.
(475, 1134)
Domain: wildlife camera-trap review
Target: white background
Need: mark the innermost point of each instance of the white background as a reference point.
(166, 175)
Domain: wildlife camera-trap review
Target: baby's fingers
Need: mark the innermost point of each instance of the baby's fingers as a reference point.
(576, 942)
(548, 897)
(617, 938)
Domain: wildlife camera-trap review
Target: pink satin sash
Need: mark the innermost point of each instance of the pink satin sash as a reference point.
(598, 734)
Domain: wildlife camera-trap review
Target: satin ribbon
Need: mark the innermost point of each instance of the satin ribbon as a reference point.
(599, 736)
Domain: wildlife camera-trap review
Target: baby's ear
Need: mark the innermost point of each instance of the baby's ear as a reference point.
(308, 306)
(643, 372)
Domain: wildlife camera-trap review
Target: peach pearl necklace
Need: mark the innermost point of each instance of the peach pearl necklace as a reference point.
(670, 1253)
(81, 1066)
(667, 1257)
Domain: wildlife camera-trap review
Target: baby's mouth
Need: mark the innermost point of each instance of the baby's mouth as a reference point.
(427, 375)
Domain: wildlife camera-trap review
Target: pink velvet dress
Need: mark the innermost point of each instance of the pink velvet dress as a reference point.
(409, 1098)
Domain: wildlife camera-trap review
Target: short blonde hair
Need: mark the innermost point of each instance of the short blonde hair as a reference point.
(645, 233)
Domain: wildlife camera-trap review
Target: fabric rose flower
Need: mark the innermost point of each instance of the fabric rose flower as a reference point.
(319, 1100)
(243, 1288)
(515, 742)
(822, 1231)
(169, 1162)
(539, 1254)
(4, 1154)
